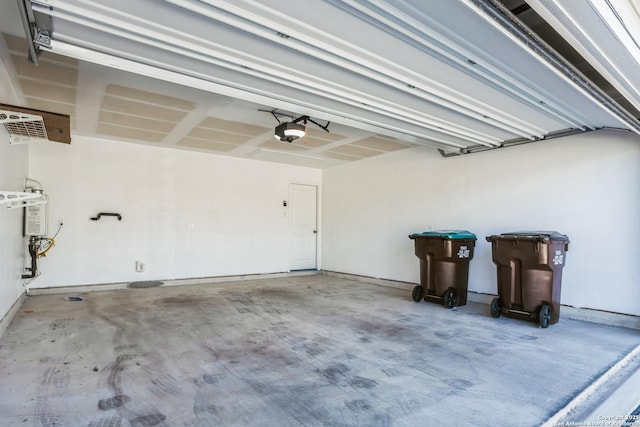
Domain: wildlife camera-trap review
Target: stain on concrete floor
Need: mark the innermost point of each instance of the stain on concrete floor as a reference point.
(311, 350)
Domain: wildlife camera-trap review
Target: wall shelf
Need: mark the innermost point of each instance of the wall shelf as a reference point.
(20, 199)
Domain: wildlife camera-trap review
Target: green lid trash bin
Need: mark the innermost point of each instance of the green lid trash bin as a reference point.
(444, 266)
(530, 267)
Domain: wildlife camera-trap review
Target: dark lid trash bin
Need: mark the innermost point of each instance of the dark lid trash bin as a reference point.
(529, 267)
(444, 266)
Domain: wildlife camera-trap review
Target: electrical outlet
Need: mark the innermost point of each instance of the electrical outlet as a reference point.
(140, 266)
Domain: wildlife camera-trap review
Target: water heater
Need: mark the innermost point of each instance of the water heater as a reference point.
(35, 219)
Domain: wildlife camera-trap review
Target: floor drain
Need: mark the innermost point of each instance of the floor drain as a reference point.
(145, 284)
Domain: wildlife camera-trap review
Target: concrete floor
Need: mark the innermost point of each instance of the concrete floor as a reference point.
(309, 350)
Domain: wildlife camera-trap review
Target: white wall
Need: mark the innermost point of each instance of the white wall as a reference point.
(184, 214)
(14, 163)
(587, 187)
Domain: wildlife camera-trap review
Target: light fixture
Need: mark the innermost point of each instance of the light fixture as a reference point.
(296, 128)
(289, 131)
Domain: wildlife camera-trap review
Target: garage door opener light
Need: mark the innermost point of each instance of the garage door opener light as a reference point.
(296, 128)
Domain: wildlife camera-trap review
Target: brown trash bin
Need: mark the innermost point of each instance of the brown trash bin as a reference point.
(444, 266)
(529, 274)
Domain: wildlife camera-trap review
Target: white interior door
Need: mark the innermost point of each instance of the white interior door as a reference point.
(303, 226)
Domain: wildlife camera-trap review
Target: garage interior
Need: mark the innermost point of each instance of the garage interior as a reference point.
(203, 272)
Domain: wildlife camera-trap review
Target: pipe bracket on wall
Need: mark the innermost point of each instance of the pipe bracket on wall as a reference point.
(101, 214)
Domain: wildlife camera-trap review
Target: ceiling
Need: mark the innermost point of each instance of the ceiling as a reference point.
(459, 76)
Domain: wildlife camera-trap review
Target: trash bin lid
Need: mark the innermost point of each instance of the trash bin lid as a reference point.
(445, 234)
(537, 235)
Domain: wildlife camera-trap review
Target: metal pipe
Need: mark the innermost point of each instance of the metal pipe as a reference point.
(511, 23)
(33, 253)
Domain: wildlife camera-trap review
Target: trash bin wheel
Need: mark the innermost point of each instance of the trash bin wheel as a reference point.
(496, 308)
(449, 299)
(544, 316)
(417, 293)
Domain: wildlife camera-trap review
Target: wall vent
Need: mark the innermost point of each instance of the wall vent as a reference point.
(22, 127)
(28, 125)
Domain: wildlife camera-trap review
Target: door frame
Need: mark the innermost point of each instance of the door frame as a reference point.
(318, 221)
